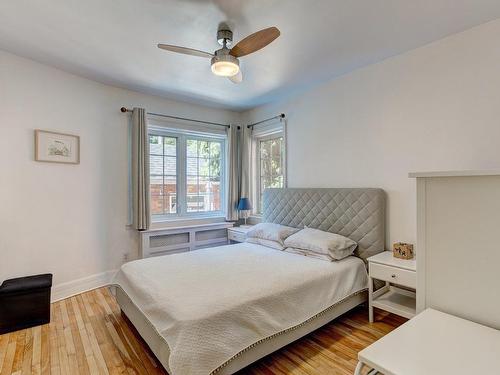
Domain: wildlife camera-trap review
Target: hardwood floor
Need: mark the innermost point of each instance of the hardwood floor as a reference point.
(88, 335)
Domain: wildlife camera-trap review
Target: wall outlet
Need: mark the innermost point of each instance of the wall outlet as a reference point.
(125, 257)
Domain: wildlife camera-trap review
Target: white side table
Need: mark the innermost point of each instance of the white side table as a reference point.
(394, 272)
(238, 234)
(434, 343)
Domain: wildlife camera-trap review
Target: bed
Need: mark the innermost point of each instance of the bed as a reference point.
(216, 310)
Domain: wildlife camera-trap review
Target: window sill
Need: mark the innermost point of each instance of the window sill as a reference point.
(186, 221)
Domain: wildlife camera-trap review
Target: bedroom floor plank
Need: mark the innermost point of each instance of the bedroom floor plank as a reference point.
(18, 356)
(89, 335)
(10, 352)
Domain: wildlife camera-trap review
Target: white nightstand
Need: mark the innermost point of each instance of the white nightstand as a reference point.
(238, 234)
(390, 298)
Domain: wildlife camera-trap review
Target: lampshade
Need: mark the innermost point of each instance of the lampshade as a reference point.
(225, 65)
(244, 204)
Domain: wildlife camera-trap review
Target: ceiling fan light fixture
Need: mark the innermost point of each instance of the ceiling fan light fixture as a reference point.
(224, 61)
(225, 65)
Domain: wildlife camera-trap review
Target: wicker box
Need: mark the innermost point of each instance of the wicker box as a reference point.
(402, 250)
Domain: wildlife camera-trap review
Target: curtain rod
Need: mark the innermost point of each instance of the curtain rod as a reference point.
(281, 116)
(123, 109)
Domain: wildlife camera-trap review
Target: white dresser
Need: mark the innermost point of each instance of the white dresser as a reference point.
(458, 252)
(434, 343)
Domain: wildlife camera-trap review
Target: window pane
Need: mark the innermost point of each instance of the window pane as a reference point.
(215, 196)
(155, 165)
(203, 167)
(275, 182)
(215, 167)
(203, 195)
(170, 165)
(163, 171)
(265, 166)
(192, 194)
(170, 146)
(275, 167)
(271, 165)
(203, 149)
(156, 185)
(170, 203)
(215, 150)
(192, 202)
(192, 147)
(192, 166)
(265, 149)
(155, 145)
(170, 194)
(192, 185)
(203, 185)
(276, 148)
(156, 205)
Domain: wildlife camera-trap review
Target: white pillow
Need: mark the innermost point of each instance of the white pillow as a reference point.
(271, 231)
(267, 243)
(323, 243)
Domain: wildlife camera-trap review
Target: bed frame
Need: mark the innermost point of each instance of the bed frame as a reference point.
(356, 213)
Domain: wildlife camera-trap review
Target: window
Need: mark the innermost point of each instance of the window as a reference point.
(204, 159)
(163, 174)
(186, 175)
(270, 164)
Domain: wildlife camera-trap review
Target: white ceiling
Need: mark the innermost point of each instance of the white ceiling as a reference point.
(115, 41)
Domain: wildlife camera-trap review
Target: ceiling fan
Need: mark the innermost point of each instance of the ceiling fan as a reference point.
(225, 61)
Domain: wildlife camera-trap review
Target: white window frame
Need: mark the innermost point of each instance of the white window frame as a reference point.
(181, 170)
(257, 166)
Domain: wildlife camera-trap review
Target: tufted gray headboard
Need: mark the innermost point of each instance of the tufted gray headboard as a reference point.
(357, 213)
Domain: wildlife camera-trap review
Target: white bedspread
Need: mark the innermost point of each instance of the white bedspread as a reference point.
(210, 304)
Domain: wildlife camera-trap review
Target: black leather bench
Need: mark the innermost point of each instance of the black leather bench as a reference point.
(25, 302)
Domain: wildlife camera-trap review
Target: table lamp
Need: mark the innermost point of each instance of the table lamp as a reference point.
(244, 205)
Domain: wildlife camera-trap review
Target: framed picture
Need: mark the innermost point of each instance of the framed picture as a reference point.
(57, 147)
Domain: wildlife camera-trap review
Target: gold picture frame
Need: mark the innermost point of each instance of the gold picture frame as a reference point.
(54, 147)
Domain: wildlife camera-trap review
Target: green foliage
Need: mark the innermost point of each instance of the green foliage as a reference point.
(271, 163)
(209, 157)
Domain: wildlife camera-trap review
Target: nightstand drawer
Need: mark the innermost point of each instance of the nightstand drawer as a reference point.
(393, 275)
(236, 236)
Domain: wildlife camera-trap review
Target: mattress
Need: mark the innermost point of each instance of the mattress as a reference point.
(210, 305)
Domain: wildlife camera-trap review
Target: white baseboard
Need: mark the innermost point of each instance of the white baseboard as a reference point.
(84, 284)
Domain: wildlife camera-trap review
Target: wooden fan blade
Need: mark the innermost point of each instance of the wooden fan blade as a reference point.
(184, 50)
(236, 78)
(254, 42)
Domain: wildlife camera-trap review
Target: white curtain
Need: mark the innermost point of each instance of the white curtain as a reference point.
(141, 218)
(233, 171)
(246, 162)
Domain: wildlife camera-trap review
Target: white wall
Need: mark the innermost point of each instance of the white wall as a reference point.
(437, 107)
(68, 219)
(434, 108)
